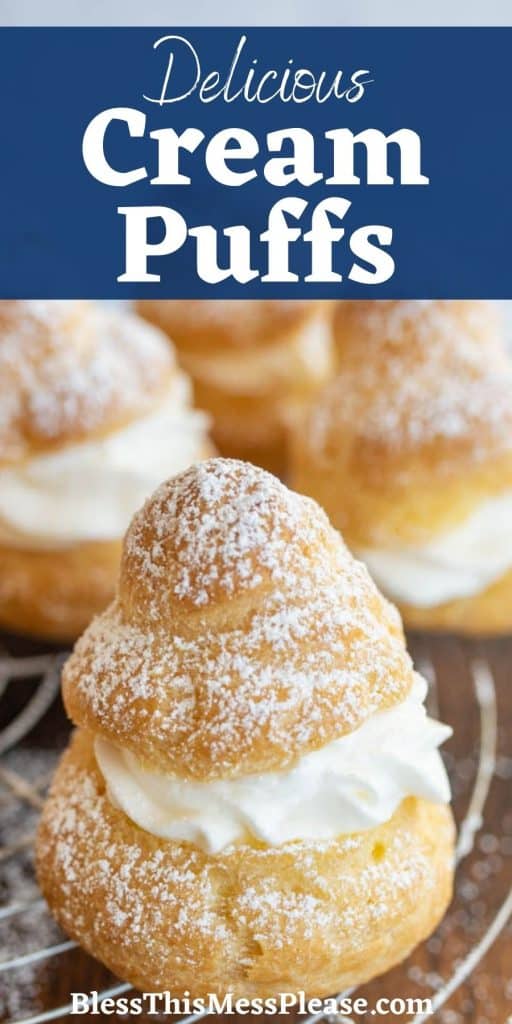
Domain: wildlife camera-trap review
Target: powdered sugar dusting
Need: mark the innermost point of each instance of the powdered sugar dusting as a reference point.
(222, 527)
(68, 369)
(425, 322)
(265, 640)
(164, 900)
(445, 382)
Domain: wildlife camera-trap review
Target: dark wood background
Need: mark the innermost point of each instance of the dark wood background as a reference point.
(484, 878)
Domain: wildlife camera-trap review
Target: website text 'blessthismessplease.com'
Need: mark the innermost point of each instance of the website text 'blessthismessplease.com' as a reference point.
(98, 1004)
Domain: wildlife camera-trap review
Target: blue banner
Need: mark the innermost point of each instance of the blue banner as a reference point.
(305, 162)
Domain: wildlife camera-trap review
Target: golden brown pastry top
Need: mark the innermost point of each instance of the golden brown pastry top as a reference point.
(412, 434)
(202, 326)
(71, 370)
(420, 326)
(395, 410)
(244, 634)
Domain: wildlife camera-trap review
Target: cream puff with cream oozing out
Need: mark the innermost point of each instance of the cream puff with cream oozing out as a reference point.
(410, 452)
(351, 784)
(235, 793)
(94, 413)
(256, 365)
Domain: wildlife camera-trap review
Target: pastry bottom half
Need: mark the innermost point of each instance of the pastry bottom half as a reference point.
(253, 920)
(488, 613)
(55, 594)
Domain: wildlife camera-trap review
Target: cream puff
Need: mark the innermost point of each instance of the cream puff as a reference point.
(409, 450)
(255, 366)
(254, 800)
(94, 413)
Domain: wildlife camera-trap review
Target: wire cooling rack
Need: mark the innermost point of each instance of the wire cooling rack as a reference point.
(465, 968)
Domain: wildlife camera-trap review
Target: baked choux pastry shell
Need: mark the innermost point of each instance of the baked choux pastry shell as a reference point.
(406, 442)
(252, 920)
(203, 326)
(268, 379)
(243, 636)
(420, 327)
(55, 595)
(238, 599)
(70, 372)
(254, 428)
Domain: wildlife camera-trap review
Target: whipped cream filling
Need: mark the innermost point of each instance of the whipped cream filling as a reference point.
(254, 370)
(351, 784)
(461, 562)
(89, 491)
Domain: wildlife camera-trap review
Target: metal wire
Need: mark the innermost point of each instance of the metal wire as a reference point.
(46, 671)
(36, 955)
(41, 700)
(19, 908)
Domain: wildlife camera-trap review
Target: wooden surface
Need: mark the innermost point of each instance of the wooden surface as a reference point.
(484, 877)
